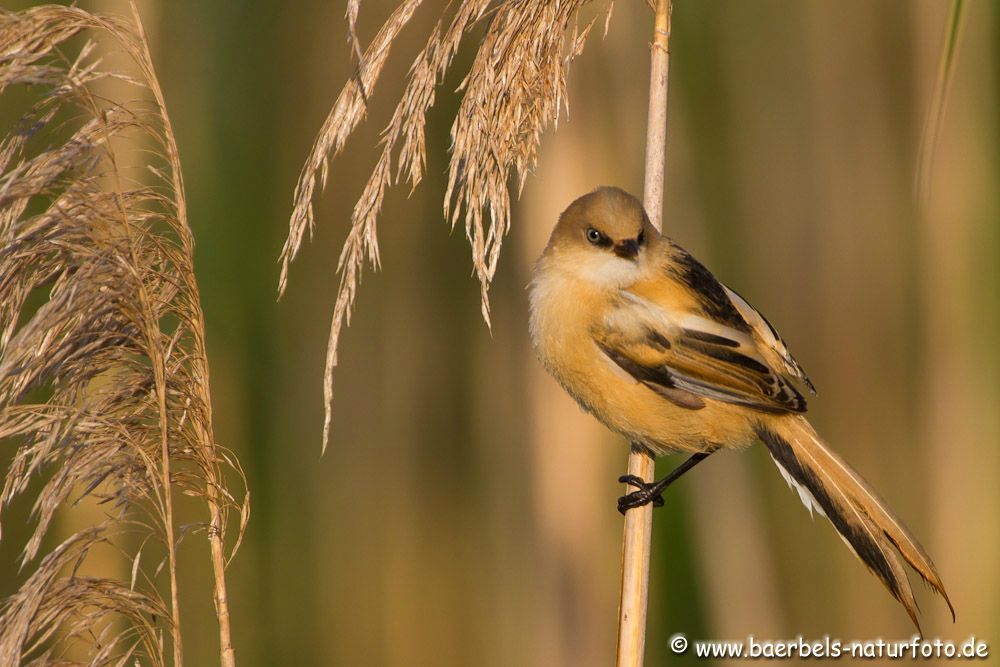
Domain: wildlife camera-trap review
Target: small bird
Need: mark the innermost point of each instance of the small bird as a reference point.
(648, 341)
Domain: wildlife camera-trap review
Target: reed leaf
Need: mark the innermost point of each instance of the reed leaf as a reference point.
(942, 88)
(104, 385)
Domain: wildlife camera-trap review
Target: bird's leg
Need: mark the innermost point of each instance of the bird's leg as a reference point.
(649, 492)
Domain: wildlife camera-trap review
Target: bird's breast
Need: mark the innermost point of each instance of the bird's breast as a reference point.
(563, 315)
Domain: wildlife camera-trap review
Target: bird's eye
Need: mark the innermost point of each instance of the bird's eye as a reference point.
(641, 237)
(594, 236)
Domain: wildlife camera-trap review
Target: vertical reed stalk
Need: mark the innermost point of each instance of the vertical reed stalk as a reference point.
(216, 524)
(639, 521)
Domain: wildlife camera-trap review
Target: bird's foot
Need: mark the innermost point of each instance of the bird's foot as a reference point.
(648, 492)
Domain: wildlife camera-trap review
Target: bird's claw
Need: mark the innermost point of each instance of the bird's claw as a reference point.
(646, 493)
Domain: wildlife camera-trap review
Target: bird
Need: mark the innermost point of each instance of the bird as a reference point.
(652, 344)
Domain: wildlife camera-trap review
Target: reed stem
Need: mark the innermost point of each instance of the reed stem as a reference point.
(639, 521)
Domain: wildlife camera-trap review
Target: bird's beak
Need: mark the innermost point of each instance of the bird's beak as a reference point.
(628, 249)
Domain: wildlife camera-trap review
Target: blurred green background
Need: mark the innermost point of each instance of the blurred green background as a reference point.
(465, 511)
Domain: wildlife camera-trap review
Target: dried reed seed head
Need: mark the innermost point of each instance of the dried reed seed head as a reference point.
(514, 89)
(104, 386)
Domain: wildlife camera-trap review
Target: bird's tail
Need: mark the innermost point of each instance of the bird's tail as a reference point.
(828, 485)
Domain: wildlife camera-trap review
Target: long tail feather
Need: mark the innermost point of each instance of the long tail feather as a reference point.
(827, 484)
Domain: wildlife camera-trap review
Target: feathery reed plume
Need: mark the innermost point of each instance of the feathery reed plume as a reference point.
(103, 387)
(514, 89)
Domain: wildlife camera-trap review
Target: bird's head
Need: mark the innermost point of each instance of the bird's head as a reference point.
(604, 237)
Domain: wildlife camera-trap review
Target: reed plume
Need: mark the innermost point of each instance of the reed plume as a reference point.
(514, 89)
(104, 385)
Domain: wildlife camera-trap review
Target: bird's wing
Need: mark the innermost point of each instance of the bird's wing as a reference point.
(666, 341)
(768, 338)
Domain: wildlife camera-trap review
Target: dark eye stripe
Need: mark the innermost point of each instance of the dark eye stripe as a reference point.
(597, 238)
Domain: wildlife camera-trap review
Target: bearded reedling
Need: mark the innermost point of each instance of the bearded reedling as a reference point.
(647, 340)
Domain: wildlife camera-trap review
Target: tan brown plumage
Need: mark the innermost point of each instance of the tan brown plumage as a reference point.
(647, 340)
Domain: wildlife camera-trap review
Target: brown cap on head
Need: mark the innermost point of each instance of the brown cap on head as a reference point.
(608, 218)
